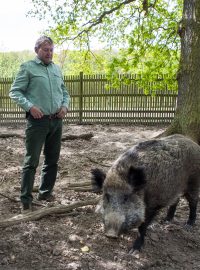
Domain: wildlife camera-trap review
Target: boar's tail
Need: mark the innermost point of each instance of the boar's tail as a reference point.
(136, 178)
(98, 177)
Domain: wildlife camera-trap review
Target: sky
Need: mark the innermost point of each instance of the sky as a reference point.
(17, 31)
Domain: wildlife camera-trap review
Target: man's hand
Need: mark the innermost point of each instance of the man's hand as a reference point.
(61, 113)
(36, 112)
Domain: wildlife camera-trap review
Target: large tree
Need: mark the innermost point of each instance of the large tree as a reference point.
(153, 35)
(187, 118)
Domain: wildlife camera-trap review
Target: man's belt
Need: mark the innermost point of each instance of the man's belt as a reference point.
(50, 116)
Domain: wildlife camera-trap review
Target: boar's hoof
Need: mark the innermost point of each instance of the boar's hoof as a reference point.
(133, 252)
(188, 227)
(137, 245)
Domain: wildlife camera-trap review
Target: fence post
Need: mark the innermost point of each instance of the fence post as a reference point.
(81, 99)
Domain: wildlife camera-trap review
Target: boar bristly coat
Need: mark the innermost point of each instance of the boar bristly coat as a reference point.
(151, 175)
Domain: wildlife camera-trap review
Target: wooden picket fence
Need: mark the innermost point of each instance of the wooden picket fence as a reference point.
(93, 103)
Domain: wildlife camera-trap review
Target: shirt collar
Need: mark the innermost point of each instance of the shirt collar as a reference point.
(38, 61)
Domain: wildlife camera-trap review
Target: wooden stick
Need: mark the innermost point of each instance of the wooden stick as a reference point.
(80, 184)
(84, 189)
(9, 198)
(35, 215)
(86, 136)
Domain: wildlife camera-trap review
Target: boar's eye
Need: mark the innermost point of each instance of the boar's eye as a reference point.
(125, 198)
(107, 197)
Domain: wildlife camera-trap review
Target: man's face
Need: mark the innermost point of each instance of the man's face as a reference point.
(45, 52)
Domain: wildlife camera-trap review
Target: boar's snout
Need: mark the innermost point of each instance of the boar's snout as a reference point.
(111, 234)
(113, 224)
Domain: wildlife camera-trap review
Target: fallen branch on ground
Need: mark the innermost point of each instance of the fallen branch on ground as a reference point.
(8, 135)
(9, 198)
(83, 189)
(35, 188)
(83, 186)
(80, 184)
(86, 136)
(38, 214)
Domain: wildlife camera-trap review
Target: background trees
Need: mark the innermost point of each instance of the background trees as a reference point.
(71, 61)
(10, 61)
(187, 118)
(144, 32)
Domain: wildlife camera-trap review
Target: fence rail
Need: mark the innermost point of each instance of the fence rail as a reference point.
(91, 103)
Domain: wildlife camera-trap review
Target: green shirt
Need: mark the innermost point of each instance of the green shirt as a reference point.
(40, 85)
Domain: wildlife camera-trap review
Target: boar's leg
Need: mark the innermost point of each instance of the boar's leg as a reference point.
(171, 211)
(192, 210)
(192, 195)
(149, 216)
(192, 215)
(139, 242)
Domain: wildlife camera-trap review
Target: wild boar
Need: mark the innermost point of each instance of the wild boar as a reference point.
(148, 177)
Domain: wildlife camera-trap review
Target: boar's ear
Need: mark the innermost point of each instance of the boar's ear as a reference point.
(98, 177)
(136, 178)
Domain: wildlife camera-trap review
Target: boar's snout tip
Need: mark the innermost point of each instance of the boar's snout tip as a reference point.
(111, 234)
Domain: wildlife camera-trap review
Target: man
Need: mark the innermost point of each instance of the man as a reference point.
(39, 89)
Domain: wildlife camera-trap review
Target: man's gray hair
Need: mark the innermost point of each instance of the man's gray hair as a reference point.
(41, 40)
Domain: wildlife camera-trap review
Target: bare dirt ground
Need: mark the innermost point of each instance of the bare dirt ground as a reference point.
(76, 240)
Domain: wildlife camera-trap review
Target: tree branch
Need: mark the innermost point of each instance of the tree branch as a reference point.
(9, 198)
(99, 20)
(35, 215)
(84, 136)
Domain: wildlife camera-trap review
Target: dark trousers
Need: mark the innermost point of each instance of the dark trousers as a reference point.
(41, 133)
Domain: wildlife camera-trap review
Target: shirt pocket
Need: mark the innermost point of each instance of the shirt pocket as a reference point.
(38, 81)
(57, 78)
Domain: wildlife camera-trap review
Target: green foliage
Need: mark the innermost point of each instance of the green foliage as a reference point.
(143, 32)
(10, 62)
(73, 62)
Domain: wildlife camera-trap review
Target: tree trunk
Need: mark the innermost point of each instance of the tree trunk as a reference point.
(187, 117)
